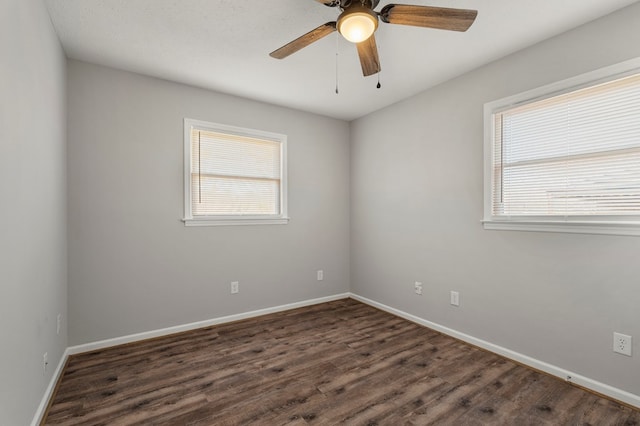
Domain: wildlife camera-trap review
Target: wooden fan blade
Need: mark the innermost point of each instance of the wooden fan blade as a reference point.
(442, 18)
(303, 41)
(368, 52)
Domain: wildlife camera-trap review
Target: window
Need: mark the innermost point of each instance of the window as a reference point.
(233, 176)
(566, 157)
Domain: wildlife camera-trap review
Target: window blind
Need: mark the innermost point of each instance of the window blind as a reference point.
(576, 154)
(234, 175)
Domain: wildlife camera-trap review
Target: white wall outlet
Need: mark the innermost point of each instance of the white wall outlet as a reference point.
(455, 298)
(235, 287)
(58, 323)
(622, 344)
(45, 362)
(320, 275)
(417, 287)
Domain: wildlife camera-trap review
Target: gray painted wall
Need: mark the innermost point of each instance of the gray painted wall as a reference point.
(417, 202)
(133, 265)
(33, 251)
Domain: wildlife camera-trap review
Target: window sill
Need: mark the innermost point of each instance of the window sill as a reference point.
(235, 221)
(574, 227)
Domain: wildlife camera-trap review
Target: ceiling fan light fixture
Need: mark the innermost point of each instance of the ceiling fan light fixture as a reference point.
(357, 24)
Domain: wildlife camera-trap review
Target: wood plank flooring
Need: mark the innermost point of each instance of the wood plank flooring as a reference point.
(338, 362)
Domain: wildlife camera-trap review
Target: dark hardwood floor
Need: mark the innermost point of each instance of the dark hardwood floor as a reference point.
(338, 362)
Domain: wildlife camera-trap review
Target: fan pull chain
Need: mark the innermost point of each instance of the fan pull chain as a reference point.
(378, 85)
(337, 41)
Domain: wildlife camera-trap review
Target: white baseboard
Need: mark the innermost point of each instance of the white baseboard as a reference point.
(585, 382)
(48, 393)
(199, 324)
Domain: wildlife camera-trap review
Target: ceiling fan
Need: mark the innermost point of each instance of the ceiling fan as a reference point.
(358, 21)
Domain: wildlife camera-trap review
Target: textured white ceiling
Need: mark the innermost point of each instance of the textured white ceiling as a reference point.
(224, 45)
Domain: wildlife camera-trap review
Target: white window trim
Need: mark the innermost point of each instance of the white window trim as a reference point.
(189, 220)
(625, 225)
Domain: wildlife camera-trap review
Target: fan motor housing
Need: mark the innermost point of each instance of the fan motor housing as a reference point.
(345, 4)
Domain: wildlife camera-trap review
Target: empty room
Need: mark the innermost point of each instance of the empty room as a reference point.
(320, 212)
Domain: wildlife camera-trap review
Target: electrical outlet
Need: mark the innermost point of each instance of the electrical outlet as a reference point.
(45, 362)
(455, 298)
(58, 323)
(320, 275)
(622, 344)
(235, 287)
(417, 287)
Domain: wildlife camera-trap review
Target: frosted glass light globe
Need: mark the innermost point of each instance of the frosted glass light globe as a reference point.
(357, 26)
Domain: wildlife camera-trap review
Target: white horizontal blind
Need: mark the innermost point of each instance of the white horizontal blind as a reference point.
(576, 154)
(234, 175)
